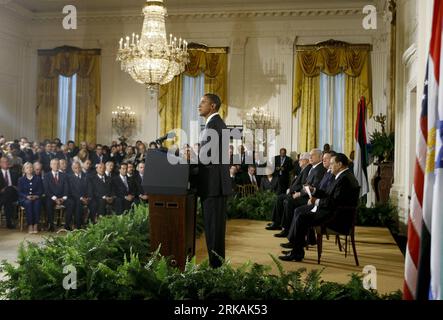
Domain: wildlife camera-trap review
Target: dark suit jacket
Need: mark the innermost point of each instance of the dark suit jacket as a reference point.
(78, 188)
(10, 194)
(300, 180)
(96, 160)
(245, 179)
(315, 176)
(28, 187)
(214, 179)
(272, 185)
(287, 167)
(73, 153)
(340, 196)
(119, 188)
(98, 189)
(138, 183)
(60, 189)
(45, 159)
(14, 179)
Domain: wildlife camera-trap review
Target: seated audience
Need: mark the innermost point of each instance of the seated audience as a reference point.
(138, 178)
(8, 190)
(300, 198)
(124, 190)
(323, 207)
(38, 169)
(56, 191)
(249, 177)
(269, 182)
(100, 190)
(109, 169)
(296, 186)
(30, 191)
(78, 194)
(98, 156)
(45, 157)
(141, 154)
(130, 155)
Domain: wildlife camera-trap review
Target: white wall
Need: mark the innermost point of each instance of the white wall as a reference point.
(15, 76)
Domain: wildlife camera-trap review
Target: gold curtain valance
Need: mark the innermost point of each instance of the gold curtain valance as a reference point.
(213, 62)
(67, 61)
(333, 57)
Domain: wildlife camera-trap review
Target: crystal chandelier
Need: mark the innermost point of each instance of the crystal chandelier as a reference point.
(123, 121)
(150, 59)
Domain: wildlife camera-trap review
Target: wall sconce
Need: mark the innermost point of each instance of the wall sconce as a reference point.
(123, 121)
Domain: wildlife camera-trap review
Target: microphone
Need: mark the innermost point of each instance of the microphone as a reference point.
(169, 135)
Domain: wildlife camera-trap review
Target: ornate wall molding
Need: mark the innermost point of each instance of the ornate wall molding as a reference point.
(131, 15)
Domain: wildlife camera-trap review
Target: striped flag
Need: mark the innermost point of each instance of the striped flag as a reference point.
(436, 155)
(424, 256)
(416, 213)
(361, 152)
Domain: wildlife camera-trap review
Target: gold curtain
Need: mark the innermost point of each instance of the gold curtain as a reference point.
(331, 57)
(170, 101)
(213, 62)
(310, 112)
(67, 61)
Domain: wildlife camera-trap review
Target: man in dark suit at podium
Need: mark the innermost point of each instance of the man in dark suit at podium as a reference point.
(213, 183)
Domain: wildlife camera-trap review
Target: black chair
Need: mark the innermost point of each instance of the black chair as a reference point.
(330, 228)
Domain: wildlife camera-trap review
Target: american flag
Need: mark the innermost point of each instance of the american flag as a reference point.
(424, 255)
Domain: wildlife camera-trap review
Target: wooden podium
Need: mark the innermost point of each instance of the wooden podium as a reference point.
(172, 207)
(172, 221)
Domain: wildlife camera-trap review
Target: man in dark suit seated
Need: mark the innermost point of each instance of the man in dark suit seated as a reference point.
(269, 182)
(72, 149)
(109, 169)
(235, 179)
(314, 180)
(100, 191)
(8, 190)
(56, 191)
(38, 169)
(123, 189)
(283, 166)
(45, 157)
(249, 177)
(138, 178)
(323, 207)
(98, 156)
(296, 186)
(78, 194)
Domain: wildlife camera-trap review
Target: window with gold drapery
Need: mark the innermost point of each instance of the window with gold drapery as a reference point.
(213, 62)
(67, 61)
(330, 57)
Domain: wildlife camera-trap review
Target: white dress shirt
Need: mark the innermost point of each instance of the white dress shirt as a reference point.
(210, 117)
(8, 174)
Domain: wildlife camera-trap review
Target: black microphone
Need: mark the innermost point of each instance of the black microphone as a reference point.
(169, 135)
